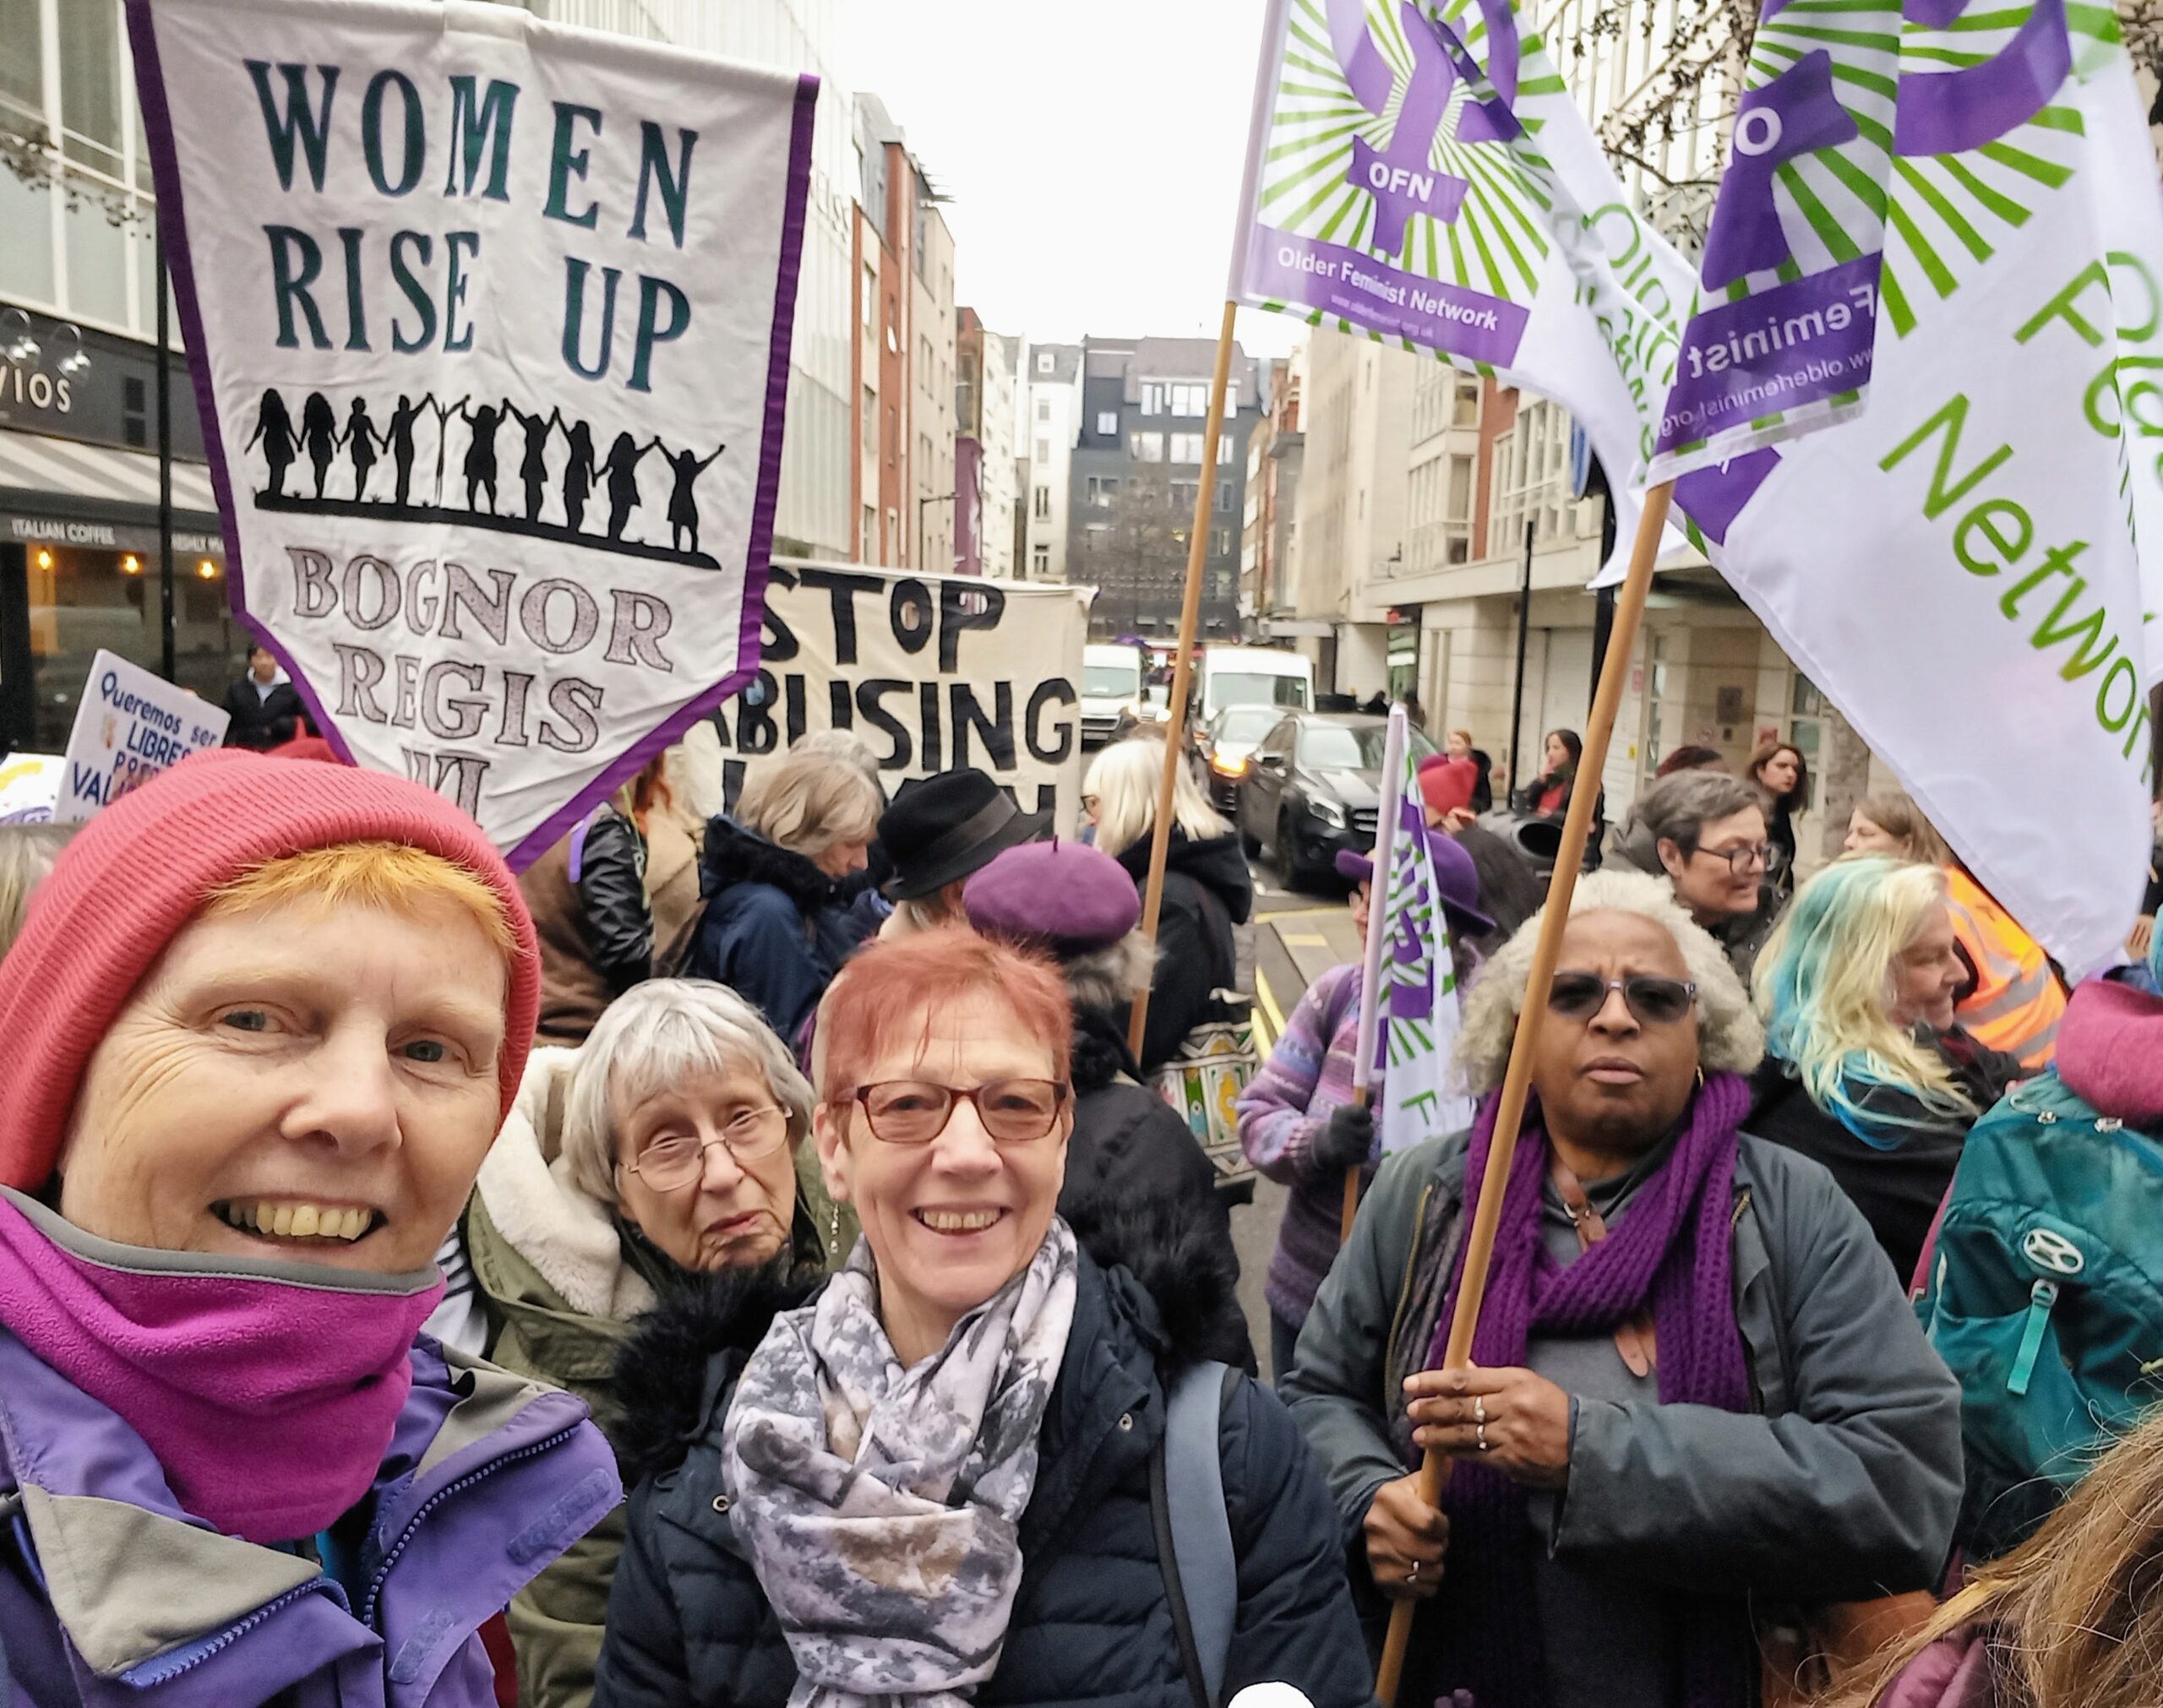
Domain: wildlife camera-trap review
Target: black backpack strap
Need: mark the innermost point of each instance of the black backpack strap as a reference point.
(1194, 1531)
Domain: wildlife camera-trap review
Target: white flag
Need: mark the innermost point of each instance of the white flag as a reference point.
(1419, 994)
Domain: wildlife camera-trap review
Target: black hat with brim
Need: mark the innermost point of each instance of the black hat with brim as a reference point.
(940, 829)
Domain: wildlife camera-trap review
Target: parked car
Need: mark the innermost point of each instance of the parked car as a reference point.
(1226, 746)
(1313, 787)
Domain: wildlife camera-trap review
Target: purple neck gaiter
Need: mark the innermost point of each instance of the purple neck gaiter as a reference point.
(267, 1392)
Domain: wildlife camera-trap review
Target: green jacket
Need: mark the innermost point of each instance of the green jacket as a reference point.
(535, 1331)
(1842, 1484)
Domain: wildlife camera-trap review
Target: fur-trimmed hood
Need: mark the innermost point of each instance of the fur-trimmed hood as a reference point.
(682, 1357)
(735, 854)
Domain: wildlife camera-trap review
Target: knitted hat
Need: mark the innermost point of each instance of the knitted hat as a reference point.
(1446, 784)
(1070, 898)
(141, 870)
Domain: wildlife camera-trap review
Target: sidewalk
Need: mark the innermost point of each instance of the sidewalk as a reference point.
(1292, 950)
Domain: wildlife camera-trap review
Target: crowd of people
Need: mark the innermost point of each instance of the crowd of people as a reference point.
(741, 1260)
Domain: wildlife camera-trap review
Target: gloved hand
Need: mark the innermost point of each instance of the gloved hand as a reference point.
(1345, 1140)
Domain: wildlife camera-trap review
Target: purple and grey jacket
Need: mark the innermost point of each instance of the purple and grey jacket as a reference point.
(112, 1595)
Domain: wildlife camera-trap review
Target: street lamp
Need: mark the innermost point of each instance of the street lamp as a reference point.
(930, 498)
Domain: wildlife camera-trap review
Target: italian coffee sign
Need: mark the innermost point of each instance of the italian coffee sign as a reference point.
(492, 319)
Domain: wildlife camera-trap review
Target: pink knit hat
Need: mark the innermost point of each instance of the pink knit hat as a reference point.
(145, 865)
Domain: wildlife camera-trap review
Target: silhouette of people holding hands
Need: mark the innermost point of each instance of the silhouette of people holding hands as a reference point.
(623, 470)
(320, 433)
(361, 442)
(683, 502)
(480, 450)
(274, 427)
(533, 469)
(399, 442)
(578, 474)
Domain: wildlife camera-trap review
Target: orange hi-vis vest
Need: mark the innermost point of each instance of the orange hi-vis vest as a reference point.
(2016, 1000)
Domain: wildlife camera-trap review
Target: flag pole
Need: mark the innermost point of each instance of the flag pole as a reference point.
(1370, 969)
(1516, 1082)
(1197, 559)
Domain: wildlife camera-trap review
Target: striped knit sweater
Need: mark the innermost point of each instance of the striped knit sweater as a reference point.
(1308, 1074)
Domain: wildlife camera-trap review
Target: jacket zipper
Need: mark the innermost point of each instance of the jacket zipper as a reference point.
(153, 1672)
(477, 1474)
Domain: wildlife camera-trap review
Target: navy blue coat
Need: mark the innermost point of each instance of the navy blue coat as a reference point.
(688, 1624)
(775, 929)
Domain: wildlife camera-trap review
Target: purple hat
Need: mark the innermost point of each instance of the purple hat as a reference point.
(1455, 876)
(1068, 897)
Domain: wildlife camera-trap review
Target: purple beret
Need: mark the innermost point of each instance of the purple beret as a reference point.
(1455, 876)
(1070, 898)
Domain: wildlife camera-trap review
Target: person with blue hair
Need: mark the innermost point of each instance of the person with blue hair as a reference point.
(1866, 1069)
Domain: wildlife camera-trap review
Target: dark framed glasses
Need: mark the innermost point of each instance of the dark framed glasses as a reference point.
(1762, 854)
(915, 1112)
(1656, 1002)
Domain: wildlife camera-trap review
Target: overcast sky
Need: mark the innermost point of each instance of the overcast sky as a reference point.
(1092, 152)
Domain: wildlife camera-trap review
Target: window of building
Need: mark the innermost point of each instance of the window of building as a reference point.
(1220, 542)
(870, 297)
(1043, 505)
(1190, 400)
(1108, 423)
(870, 422)
(1043, 361)
(1094, 536)
(870, 551)
(1040, 560)
(1466, 407)
(1225, 495)
(1186, 448)
(1152, 397)
(1103, 489)
(1146, 447)
(1228, 450)
(1183, 496)
(1043, 409)
(1044, 450)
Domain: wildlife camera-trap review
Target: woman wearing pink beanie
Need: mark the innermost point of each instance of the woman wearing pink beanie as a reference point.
(262, 1025)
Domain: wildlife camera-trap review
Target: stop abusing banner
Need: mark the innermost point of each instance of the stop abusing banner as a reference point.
(1964, 557)
(491, 319)
(931, 671)
(1418, 172)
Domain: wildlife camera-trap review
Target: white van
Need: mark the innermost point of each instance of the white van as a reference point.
(1112, 681)
(1254, 675)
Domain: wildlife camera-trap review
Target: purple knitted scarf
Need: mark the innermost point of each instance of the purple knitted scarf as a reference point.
(1672, 1245)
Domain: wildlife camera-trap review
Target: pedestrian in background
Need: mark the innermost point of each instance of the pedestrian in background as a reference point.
(1706, 831)
(938, 1479)
(1695, 1394)
(1508, 892)
(1459, 747)
(938, 833)
(1299, 1122)
(1691, 759)
(299, 1000)
(265, 706)
(1866, 1068)
(1548, 795)
(587, 893)
(1781, 775)
(1208, 890)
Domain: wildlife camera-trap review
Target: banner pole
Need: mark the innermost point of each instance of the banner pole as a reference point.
(1516, 1082)
(1370, 968)
(1197, 559)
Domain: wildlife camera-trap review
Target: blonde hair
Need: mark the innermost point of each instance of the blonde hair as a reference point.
(840, 744)
(1894, 812)
(1825, 988)
(27, 852)
(657, 1034)
(808, 801)
(1730, 1039)
(2074, 1619)
(1125, 778)
(395, 876)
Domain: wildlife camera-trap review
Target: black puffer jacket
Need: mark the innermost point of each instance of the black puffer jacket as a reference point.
(688, 1625)
(1196, 954)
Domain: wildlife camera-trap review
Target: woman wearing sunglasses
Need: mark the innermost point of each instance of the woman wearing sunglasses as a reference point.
(1699, 1398)
(934, 1479)
(638, 1183)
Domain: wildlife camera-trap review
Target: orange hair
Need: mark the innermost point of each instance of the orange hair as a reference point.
(390, 875)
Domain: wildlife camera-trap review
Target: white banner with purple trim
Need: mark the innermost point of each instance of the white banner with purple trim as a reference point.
(1420, 1099)
(1417, 172)
(491, 319)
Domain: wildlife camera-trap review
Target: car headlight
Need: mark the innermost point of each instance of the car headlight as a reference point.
(1329, 812)
(1225, 767)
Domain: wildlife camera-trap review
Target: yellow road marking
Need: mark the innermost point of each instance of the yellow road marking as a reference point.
(1267, 997)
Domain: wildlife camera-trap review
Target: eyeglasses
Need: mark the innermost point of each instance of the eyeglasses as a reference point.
(1739, 859)
(1088, 803)
(915, 1112)
(1657, 1002)
(675, 1163)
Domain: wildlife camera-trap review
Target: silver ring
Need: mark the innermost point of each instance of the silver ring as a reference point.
(1412, 1576)
(1479, 1408)
(1480, 1435)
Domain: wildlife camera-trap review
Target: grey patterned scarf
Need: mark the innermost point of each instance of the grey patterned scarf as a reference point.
(881, 1505)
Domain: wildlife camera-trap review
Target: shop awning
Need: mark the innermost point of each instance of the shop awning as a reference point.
(36, 466)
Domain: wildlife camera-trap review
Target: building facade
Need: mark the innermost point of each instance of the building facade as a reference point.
(983, 451)
(1135, 480)
(1270, 512)
(1051, 395)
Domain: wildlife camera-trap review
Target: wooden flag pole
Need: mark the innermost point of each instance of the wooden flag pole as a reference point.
(1516, 1082)
(1371, 967)
(1197, 559)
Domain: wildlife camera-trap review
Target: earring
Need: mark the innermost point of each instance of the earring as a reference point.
(1701, 1076)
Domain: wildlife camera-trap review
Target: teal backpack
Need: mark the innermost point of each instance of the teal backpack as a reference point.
(2043, 1295)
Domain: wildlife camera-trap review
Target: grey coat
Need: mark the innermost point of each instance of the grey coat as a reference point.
(1843, 1484)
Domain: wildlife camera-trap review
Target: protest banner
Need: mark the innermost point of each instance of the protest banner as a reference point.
(1420, 173)
(1421, 1017)
(130, 726)
(932, 671)
(491, 319)
(30, 788)
(1966, 568)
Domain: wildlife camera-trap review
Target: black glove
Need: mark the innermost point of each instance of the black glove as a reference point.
(1345, 1140)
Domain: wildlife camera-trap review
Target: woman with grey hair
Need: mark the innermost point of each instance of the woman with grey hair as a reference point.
(1698, 1400)
(668, 1148)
